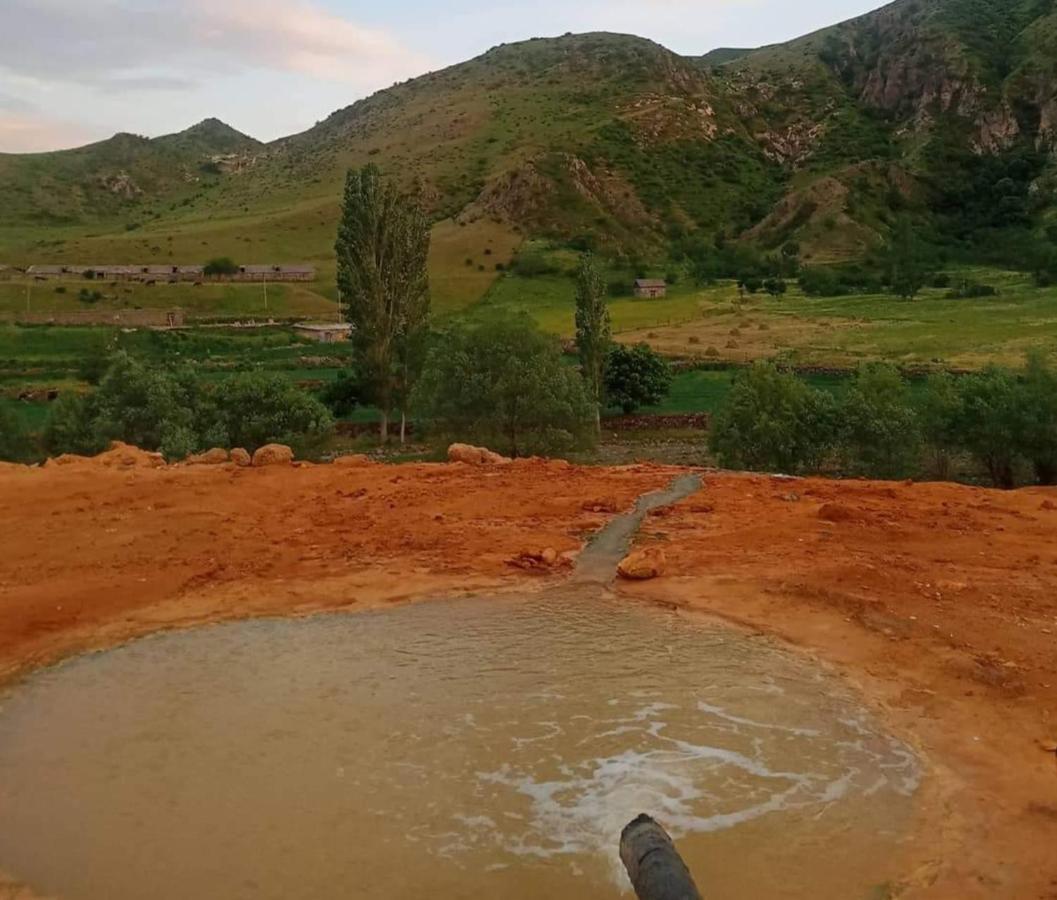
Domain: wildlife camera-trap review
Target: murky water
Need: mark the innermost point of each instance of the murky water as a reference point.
(457, 749)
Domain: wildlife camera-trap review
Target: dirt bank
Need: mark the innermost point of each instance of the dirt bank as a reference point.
(941, 601)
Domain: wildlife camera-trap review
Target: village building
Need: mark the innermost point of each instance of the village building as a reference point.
(651, 288)
(331, 333)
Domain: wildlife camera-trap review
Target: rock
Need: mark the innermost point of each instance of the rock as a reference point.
(642, 565)
(475, 456)
(241, 457)
(353, 461)
(1048, 505)
(215, 457)
(273, 455)
(549, 556)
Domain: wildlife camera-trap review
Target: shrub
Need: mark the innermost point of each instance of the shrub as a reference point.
(504, 384)
(61, 289)
(87, 296)
(221, 265)
(773, 421)
(939, 413)
(776, 287)
(990, 423)
(636, 376)
(879, 424)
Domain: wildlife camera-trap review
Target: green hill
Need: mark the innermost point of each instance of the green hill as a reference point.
(946, 109)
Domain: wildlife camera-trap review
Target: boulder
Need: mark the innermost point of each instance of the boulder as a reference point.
(273, 455)
(1048, 505)
(642, 565)
(241, 457)
(215, 457)
(475, 456)
(836, 512)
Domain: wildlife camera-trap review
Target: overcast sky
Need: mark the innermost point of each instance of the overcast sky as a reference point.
(74, 71)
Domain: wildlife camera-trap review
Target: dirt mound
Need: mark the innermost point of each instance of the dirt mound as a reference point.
(273, 455)
(241, 457)
(475, 456)
(119, 456)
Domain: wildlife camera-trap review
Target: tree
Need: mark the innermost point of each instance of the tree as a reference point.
(382, 250)
(939, 414)
(173, 411)
(773, 421)
(879, 426)
(990, 424)
(636, 377)
(503, 383)
(1038, 391)
(906, 269)
(221, 265)
(257, 408)
(593, 332)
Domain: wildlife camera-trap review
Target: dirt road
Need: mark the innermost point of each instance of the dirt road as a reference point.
(940, 601)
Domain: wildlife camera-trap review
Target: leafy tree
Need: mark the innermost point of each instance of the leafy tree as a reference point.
(593, 332)
(171, 410)
(257, 408)
(775, 422)
(939, 414)
(906, 268)
(152, 408)
(880, 433)
(382, 249)
(820, 282)
(221, 265)
(636, 377)
(991, 424)
(1039, 403)
(504, 384)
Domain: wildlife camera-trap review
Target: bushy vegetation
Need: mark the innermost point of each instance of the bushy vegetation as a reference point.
(504, 384)
(174, 411)
(636, 377)
(1002, 421)
(221, 265)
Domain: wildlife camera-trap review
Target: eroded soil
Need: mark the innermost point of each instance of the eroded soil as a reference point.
(940, 601)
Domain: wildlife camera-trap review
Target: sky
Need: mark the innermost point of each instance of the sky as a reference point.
(75, 71)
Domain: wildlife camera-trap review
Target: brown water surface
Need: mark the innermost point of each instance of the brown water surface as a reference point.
(489, 747)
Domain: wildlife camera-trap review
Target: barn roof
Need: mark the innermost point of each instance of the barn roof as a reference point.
(650, 283)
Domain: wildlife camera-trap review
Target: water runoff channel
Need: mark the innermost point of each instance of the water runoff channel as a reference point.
(462, 748)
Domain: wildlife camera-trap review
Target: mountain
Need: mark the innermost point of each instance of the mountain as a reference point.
(114, 176)
(943, 109)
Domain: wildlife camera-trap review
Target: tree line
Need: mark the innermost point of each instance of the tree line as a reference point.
(1000, 422)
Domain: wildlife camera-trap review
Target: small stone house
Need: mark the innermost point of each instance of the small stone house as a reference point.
(651, 288)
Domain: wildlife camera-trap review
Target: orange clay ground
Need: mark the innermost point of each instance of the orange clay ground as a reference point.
(939, 601)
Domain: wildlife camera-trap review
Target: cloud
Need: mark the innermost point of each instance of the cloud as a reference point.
(171, 44)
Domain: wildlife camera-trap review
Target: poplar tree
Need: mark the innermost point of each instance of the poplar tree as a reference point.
(382, 251)
(593, 332)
